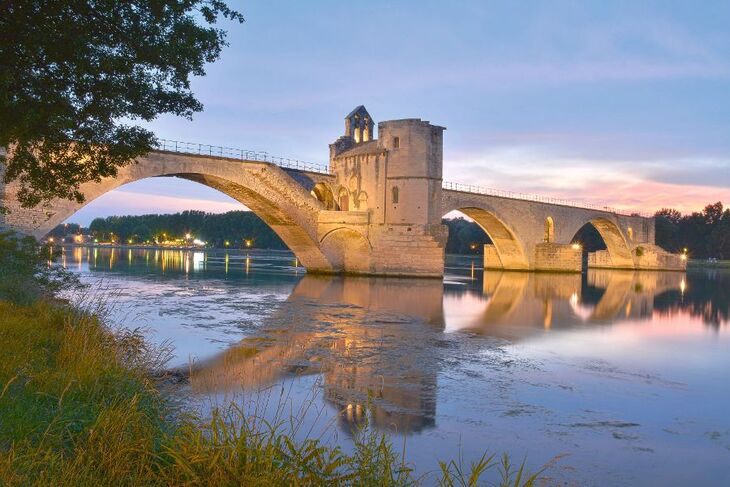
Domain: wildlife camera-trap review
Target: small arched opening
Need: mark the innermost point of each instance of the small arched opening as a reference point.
(549, 230)
(323, 193)
(344, 200)
(347, 250)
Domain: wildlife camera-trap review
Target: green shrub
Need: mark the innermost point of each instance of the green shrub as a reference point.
(26, 270)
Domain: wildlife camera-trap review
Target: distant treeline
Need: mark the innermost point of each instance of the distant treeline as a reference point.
(703, 233)
(235, 227)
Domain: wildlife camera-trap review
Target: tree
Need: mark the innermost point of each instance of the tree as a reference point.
(142, 232)
(71, 71)
(666, 235)
(713, 213)
(674, 216)
(719, 244)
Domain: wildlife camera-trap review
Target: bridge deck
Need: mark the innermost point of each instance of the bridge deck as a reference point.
(320, 170)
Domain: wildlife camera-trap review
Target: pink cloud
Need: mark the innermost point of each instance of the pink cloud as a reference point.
(649, 196)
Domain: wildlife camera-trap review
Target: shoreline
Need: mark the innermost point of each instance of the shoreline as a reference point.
(166, 247)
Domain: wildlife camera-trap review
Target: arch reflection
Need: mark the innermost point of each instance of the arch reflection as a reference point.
(515, 304)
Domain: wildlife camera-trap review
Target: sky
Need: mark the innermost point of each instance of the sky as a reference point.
(624, 103)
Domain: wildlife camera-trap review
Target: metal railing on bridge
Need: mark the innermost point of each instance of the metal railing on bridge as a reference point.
(240, 154)
(263, 156)
(501, 193)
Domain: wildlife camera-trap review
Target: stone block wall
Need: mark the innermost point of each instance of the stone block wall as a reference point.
(558, 257)
(653, 257)
(600, 259)
(416, 250)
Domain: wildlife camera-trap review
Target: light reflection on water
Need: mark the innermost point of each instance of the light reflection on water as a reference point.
(625, 372)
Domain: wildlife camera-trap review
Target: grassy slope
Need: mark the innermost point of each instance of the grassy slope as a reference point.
(69, 412)
(75, 410)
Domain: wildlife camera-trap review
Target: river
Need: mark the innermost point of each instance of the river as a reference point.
(615, 377)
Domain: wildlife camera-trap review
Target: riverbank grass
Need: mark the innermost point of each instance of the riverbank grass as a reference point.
(78, 406)
(70, 413)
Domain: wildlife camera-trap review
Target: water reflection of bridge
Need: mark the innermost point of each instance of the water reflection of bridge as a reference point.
(378, 342)
(545, 300)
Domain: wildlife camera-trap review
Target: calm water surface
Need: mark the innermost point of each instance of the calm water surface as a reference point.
(624, 375)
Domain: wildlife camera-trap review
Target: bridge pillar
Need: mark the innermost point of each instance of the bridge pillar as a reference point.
(650, 256)
(556, 257)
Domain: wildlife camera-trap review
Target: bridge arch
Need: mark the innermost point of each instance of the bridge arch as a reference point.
(267, 190)
(509, 248)
(618, 250)
(347, 249)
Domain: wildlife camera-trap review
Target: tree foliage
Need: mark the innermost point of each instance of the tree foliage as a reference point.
(704, 234)
(463, 235)
(25, 270)
(234, 226)
(76, 75)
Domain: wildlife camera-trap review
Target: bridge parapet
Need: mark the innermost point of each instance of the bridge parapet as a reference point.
(501, 193)
(192, 148)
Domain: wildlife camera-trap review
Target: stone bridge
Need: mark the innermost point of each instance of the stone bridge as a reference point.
(377, 208)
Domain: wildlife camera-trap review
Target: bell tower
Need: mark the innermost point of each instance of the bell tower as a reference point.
(359, 125)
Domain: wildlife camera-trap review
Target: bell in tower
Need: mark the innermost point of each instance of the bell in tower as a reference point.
(359, 125)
